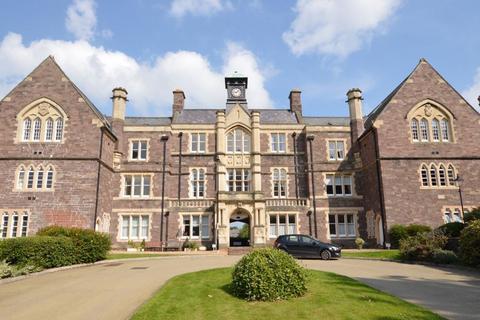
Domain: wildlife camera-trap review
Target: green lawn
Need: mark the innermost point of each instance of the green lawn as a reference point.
(205, 295)
(381, 254)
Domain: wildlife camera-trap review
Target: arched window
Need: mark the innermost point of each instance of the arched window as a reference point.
(238, 141)
(27, 129)
(414, 127)
(435, 130)
(49, 182)
(37, 128)
(424, 175)
(21, 178)
(49, 129)
(424, 129)
(451, 175)
(31, 177)
(445, 131)
(279, 183)
(433, 176)
(40, 178)
(442, 179)
(59, 129)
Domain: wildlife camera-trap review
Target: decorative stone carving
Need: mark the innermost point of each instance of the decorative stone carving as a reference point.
(43, 109)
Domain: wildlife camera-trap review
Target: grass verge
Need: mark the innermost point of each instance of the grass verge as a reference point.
(380, 254)
(206, 295)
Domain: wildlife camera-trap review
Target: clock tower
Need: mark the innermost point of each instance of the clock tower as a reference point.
(236, 85)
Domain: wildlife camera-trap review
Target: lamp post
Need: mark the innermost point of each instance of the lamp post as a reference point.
(310, 139)
(459, 182)
(164, 139)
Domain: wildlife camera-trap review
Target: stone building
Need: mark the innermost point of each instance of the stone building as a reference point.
(238, 175)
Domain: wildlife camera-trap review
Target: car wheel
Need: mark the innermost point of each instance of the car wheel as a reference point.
(325, 255)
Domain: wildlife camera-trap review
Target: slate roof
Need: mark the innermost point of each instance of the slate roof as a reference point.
(147, 121)
(327, 121)
(196, 116)
(277, 116)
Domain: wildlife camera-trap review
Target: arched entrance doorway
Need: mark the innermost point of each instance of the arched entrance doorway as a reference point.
(379, 231)
(240, 229)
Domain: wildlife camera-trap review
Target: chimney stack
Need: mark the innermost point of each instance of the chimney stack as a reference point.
(119, 103)
(478, 100)
(178, 101)
(295, 101)
(354, 99)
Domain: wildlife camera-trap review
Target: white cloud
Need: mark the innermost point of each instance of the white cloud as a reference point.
(81, 19)
(180, 8)
(97, 70)
(337, 27)
(472, 93)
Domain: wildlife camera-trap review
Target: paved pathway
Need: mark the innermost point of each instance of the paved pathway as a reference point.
(115, 289)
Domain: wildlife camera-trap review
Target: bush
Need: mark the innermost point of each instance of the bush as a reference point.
(359, 242)
(39, 251)
(422, 246)
(91, 246)
(470, 244)
(472, 215)
(452, 229)
(444, 256)
(7, 271)
(190, 245)
(267, 275)
(399, 232)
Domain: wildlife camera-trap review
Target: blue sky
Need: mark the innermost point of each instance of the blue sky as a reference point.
(322, 47)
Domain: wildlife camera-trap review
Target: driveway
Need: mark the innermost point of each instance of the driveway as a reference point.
(113, 290)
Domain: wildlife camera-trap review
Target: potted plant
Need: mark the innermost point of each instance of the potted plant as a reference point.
(359, 242)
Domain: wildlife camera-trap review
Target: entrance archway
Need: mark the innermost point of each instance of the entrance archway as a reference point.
(240, 229)
(379, 231)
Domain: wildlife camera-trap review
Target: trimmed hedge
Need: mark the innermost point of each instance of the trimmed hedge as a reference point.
(44, 252)
(90, 246)
(268, 274)
(470, 244)
(399, 232)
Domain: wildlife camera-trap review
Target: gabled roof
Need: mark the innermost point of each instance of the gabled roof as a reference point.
(378, 110)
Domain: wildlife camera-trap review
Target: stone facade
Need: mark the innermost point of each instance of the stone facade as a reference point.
(234, 176)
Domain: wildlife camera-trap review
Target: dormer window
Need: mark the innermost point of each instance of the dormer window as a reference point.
(238, 141)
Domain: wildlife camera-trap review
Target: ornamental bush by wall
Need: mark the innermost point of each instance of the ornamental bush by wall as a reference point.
(470, 244)
(40, 251)
(399, 232)
(268, 274)
(452, 229)
(422, 246)
(90, 246)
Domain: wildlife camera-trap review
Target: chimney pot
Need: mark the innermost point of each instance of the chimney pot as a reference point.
(354, 100)
(119, 99)
(295, 98)
(178, 101)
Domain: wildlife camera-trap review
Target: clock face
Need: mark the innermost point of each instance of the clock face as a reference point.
(236, 92)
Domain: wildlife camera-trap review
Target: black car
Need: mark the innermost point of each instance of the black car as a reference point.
(303, 246)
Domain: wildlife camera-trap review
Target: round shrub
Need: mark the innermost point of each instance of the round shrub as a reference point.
(414, 229)
(90, 245)
(452, 229)
(470, 244)
(267, 275)
(472, 215)
(444, 256)
(359, 243)
(397, 233)
(422, 246)
(39, 251)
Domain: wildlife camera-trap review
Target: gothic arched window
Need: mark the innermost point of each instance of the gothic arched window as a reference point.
(238, 141)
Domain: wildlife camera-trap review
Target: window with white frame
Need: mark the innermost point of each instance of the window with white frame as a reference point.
(136, 185)
(238, 141)
(414, 128)
(196, 226)
(33, 179)
(198, 142)
(342, 225)
(438, 175)
(336, 150)
(452, 215)
(135, 227)
(279, 181)
(41, 121)
(278, 142)
(282, 223)
(238, 180)
(430, 123)
(14, 224)
(338, 185)
(138, 150)
(197, 183)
